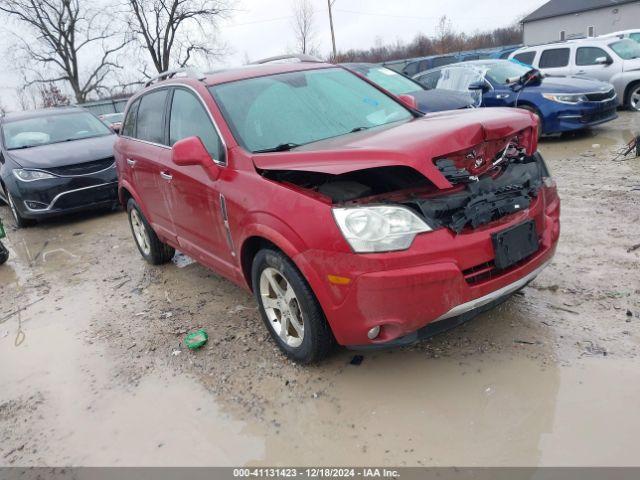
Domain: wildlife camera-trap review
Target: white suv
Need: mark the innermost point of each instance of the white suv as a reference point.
(612, 60)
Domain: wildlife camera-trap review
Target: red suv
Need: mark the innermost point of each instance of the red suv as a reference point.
(351, 216)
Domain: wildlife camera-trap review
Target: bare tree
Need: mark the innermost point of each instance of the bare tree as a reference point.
(51, 96)
(67, 41)
(174, 31)
(303, 26)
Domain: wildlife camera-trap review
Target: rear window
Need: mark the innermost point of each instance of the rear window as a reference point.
(555, 58)
(525, 57)
(150, 120)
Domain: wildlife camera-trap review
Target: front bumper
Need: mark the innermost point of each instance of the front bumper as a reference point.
(443, 278)
(581, 116)
(62, 195)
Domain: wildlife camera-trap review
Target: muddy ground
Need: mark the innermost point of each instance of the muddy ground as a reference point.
(93, 371)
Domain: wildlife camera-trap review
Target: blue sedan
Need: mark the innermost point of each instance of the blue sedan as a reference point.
(562, 104)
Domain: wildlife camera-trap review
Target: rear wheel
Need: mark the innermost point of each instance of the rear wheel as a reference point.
(21, 222)
(150, 246)
(289, 308)
(633, 97)
(534, 110)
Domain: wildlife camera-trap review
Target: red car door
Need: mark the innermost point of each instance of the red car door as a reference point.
(148, 157)
(199, 211)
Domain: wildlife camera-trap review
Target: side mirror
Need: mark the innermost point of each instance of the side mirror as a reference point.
(408, 101)
(191, 151)
(604, 61)
(481, 85)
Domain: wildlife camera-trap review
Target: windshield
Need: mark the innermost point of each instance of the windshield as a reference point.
(391, 81)
(303, 107)
(502, 71)
(34, 132)
(626, 49)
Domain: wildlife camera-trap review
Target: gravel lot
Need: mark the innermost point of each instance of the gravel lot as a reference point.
(93, 370)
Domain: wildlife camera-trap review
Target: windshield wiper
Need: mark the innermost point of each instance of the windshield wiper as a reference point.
(359, 129)
(283, 147)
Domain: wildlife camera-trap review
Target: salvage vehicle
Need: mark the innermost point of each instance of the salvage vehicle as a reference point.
(425, 100)
(4, 252)
(614, 60)
(55, 161)
(351, 217)
(561, 104)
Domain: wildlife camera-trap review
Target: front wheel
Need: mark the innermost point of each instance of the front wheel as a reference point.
(150, 246)
(289, 308)
(21, 222)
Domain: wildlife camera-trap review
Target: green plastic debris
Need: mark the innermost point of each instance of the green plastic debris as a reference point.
(196, 339)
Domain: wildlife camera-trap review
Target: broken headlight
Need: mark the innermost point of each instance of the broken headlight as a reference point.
(379, 228)
(30, 175)
(566, 98)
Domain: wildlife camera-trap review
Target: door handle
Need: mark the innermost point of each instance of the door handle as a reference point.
(166, 175)
(131, 162)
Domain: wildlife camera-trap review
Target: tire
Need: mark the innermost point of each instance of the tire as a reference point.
(149, 245)
(311, 340)
(633, 97)
(534, 110)
(19, 220)
(4, 254)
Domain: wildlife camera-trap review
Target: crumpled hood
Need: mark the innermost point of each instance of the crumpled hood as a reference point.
(411, 144)
(64, 153)
(441, 100)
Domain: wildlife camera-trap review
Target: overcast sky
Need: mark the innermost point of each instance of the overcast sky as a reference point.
(262, 28)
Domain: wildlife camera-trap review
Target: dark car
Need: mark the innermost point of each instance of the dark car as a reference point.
(427, 100)
(562, 104)
(55, 161)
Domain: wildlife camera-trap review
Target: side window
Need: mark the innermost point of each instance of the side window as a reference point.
(130, 120)
(588, 55)
(430, 80)
(150, 120)
(525, 57)
(554, 58)
(190, 119)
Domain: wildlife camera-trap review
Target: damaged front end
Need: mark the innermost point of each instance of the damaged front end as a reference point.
(486, 183)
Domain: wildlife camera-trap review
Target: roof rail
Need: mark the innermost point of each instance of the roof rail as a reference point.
(188, 72)
(302, 57)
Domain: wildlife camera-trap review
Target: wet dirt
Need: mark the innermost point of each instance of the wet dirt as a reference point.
(93, 370)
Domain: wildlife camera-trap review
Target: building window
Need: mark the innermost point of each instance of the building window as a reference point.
(562, 35)
(592, 31)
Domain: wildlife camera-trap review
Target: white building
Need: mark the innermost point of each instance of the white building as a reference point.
(565, 19)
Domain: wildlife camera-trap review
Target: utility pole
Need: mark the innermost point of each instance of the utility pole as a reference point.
(333, 35)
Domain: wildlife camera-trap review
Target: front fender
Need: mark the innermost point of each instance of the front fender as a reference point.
(125, 185)
(283, 236)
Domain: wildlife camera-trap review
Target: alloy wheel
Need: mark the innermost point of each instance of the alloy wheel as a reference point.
(282, 307)
(634, 99)
(140, 232)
